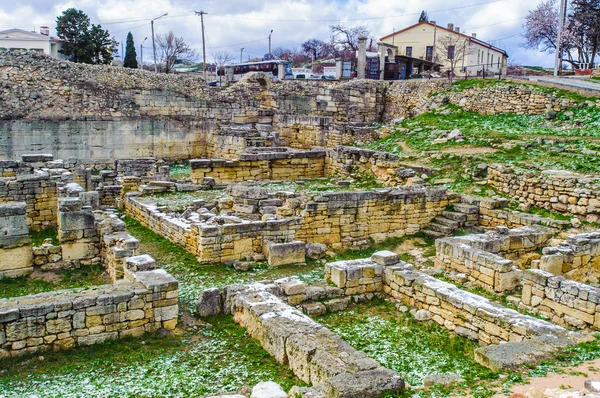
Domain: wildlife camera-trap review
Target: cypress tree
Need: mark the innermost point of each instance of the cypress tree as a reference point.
(130, 55)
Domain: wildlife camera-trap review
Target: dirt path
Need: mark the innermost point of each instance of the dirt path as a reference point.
(572, 379)
(469, 150)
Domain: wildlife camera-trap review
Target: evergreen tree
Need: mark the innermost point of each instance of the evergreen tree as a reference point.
(130, 54)
(424, 17)
(82, 41)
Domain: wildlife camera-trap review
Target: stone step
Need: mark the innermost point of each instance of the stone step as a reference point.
(466, 209)
(433, 234)
(452, 215)
(440, 228)
(447, 222)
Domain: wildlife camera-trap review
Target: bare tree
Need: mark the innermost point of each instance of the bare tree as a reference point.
(172, 49)
(454, 49)
(346, 39)
(222, 58)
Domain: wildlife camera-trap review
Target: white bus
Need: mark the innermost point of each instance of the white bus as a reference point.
(277, 69)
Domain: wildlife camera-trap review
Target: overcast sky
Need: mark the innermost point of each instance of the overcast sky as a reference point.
(232, 24)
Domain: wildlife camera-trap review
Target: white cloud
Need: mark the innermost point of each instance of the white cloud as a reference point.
(230, 22)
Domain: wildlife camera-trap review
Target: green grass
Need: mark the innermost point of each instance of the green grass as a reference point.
(181, 171)
(460, 85)
(38, 237)
(194, 277)
(220, 358)
(387, 244)
(84, 277)
(411, 348)
(179, 201)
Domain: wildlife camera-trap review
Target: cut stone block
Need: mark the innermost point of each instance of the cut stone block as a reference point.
(210, 303)
(385, 257)
(291, 253)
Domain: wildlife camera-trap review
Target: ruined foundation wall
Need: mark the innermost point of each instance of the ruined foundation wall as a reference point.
(467, 314)
(559, 191)
(577, 258)
(347, 161)
(66, 318)
(287, 166)
(345, 220)
(565, 302)
(151, 217)
(486, 258)
(39, 192)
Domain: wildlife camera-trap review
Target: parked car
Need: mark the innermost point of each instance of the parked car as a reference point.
(214, 83)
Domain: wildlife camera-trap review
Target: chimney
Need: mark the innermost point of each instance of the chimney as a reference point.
(457, 29)
(474, 35)
(450, 26)
(44, 30)
(432, 22)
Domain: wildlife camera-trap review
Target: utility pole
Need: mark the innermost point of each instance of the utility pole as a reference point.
(270, 43)
(142, 53)
(561, 23)
(153, 43)
(201, 13)
(122, 54)
(241, 52)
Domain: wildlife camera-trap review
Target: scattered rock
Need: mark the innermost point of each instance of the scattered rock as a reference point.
(268, 389)
(443, 379)
(422, 315)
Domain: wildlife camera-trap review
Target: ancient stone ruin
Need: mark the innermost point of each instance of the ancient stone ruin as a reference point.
(204, 205)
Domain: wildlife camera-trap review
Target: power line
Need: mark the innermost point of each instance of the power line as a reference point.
(356, 19)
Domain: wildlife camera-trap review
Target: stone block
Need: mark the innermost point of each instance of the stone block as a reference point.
(143, 262)
(385, 257)
(367, 384)
(291, 253)
(76, 251)
(210, 303)
(268, 389)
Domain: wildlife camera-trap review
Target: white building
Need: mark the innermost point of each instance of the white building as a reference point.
(19, 39)
(425, 40)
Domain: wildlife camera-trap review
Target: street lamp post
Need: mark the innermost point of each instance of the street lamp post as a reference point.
(241, 53)
(270, 43)
(153, 43)
(142, 53)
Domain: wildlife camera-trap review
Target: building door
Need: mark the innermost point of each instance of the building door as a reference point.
(347, 69)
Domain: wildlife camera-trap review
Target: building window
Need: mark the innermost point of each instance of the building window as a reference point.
(409, 51)
(492, 61)
(429, 53)
(498, 62)
(451, 52)
(478, 56)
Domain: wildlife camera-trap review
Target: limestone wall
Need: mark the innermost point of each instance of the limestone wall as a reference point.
(559, 191)
(356, 162)
(283, 165)
(467, 314)
(147, 213)
(344, 220)
(510, 98)
(63, 319)
(485, 259)
(38, 191)
(16, 256)
(565, 302)
(577, 258)
(77, 233)
(324, 360)
(229, 142)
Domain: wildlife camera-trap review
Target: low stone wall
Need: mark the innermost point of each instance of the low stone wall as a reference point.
(483, 257)
(344, 220)
(501, 97)
(559, 191)
(467, 314)
(16, 256)
(77, 233)
(577, 258)
(39, 192)
(149, 215)
(63, 319)
(323, 360)
(356, 162)
(565, 302)
(229, 142)
(280, 165)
